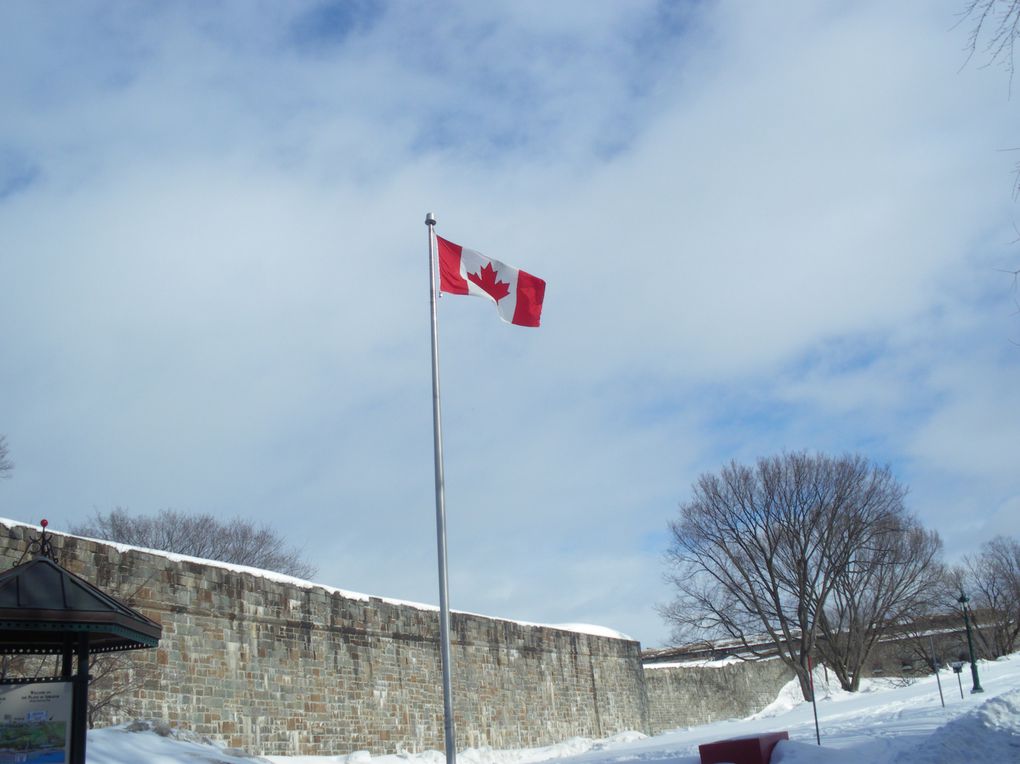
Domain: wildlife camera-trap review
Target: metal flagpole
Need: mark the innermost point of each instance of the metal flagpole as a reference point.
(444, 594)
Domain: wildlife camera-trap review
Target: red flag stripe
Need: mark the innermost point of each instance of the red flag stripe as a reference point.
(450, 279)
(530, 293)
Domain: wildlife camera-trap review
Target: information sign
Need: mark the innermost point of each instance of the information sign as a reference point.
(35, 723)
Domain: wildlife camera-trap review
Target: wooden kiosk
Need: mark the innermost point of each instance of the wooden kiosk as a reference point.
(47, 610)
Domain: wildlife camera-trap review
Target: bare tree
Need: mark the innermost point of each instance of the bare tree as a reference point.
(757, 551)
(114, 681)
(237, 541)
(936, 632)
(992, 580)
(892, 579)
(6, 465)
(995, 25)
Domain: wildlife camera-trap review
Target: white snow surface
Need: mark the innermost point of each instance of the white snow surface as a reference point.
(591, 628)
(698, 663)
(887, 722)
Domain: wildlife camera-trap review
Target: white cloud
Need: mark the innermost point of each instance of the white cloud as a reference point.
(760, 231)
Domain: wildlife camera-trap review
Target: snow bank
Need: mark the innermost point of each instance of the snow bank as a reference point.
(989, 733)
(149, 743)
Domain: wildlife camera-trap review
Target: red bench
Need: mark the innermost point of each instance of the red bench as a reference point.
(755, 749)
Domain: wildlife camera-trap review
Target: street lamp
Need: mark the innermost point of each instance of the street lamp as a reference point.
(963, 600)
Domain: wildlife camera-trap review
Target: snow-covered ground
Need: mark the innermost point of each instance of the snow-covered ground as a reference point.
(886, 723)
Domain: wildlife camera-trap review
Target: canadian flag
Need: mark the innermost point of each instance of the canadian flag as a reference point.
(517, 294)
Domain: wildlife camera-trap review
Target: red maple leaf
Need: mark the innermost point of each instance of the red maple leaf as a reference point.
(486, 279)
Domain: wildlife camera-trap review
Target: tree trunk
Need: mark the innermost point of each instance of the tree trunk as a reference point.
(843, 674)
(803, 676)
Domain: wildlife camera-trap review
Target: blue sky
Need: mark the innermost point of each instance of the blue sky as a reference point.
(760, 231)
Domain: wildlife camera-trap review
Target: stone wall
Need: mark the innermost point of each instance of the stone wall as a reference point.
(684, 696)
(278, 667)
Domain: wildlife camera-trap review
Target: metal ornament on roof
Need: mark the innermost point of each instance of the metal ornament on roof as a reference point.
(42, 546)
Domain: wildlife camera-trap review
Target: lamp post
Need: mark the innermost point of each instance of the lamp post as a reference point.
(963, 600)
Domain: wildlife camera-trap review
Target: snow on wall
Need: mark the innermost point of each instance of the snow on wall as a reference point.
(281, 666)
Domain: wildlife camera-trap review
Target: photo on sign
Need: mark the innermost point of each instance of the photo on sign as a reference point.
(35, 723)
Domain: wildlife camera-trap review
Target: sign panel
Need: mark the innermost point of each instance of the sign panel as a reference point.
(35, 723)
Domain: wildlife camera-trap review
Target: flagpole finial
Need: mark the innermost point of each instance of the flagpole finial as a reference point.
(430, 219)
